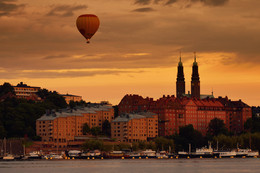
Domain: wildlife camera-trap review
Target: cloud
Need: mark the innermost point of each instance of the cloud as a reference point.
(169, 2)
(144, 10)
(55, 56)
(212, 2)
(64, 73)
(7, 7)
(143, 2)
(65, 10)
(188, 2)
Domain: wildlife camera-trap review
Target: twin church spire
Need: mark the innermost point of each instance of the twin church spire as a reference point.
(195, 80)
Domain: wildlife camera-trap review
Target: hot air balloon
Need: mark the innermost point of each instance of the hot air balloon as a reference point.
(87, 25)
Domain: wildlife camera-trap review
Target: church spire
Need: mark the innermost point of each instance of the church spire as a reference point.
(180, 83)
(195, 79)
(180, 63)
(195, 60)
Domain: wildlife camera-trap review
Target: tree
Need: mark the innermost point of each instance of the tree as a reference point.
(95, 131)
(252, 125)
(106, 128)
(248, 125)
(52, 99)
(216, 127)
(92, 145)
(72, 104)
(188, 135)
(6, 88)
(85, 129)
(2, 132)
(163, 143)
(142, 145)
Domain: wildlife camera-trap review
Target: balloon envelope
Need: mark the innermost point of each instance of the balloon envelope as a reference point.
(87, 25)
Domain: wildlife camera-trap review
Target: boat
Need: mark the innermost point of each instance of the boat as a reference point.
(183, 154)
(8, 157)
(116, 154)
(204, 152)
(241, 152)
(90, 154)
(149, 153)
(252, 153)
(246, 153)
(225, 153)
(53, 156)
(135, 155)
(74, 154)
(34, 155)
(95, 153)
(162, 155)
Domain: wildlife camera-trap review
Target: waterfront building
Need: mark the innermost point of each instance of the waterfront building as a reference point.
(192, 108)
(59, 128)
(237, 112)
(135, 127)
(174, 113)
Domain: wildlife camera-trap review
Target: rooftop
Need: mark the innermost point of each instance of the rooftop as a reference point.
(51, 115)
(130, 116)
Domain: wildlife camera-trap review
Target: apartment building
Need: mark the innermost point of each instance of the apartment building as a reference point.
(135, 127)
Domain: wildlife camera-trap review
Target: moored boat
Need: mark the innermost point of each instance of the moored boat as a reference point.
(204, 152)
(34, 155)
(74, 154)
(162, 155)
(252, 154)
(8, 157)
(226, 153)
(149, 153)
(116, 154)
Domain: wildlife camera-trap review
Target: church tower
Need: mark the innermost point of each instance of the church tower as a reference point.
(195, 80)
(180, 83)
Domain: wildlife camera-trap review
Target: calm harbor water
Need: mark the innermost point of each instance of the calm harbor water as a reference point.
(240, 165)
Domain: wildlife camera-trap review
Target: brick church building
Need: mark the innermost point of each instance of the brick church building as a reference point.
(192, 108)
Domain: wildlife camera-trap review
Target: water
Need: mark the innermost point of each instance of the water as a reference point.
(251, 165)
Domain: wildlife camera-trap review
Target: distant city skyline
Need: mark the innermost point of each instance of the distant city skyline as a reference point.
(136, 49)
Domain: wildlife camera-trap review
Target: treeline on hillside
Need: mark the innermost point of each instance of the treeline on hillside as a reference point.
(18, 116)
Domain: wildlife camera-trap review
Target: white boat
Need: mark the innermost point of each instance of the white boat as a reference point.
(95, 153)
(149, 153)
(8, 157)
(226, 153)
(34, 155)
(162, 155)
(241, 152)
(253, 154)
(74, 153)
(53, 156)
(204, 152)
(246, 152)
(134, 154)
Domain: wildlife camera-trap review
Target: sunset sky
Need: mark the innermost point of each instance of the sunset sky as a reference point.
(136, 49)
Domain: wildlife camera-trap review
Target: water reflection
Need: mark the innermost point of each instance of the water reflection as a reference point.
(136, 166)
